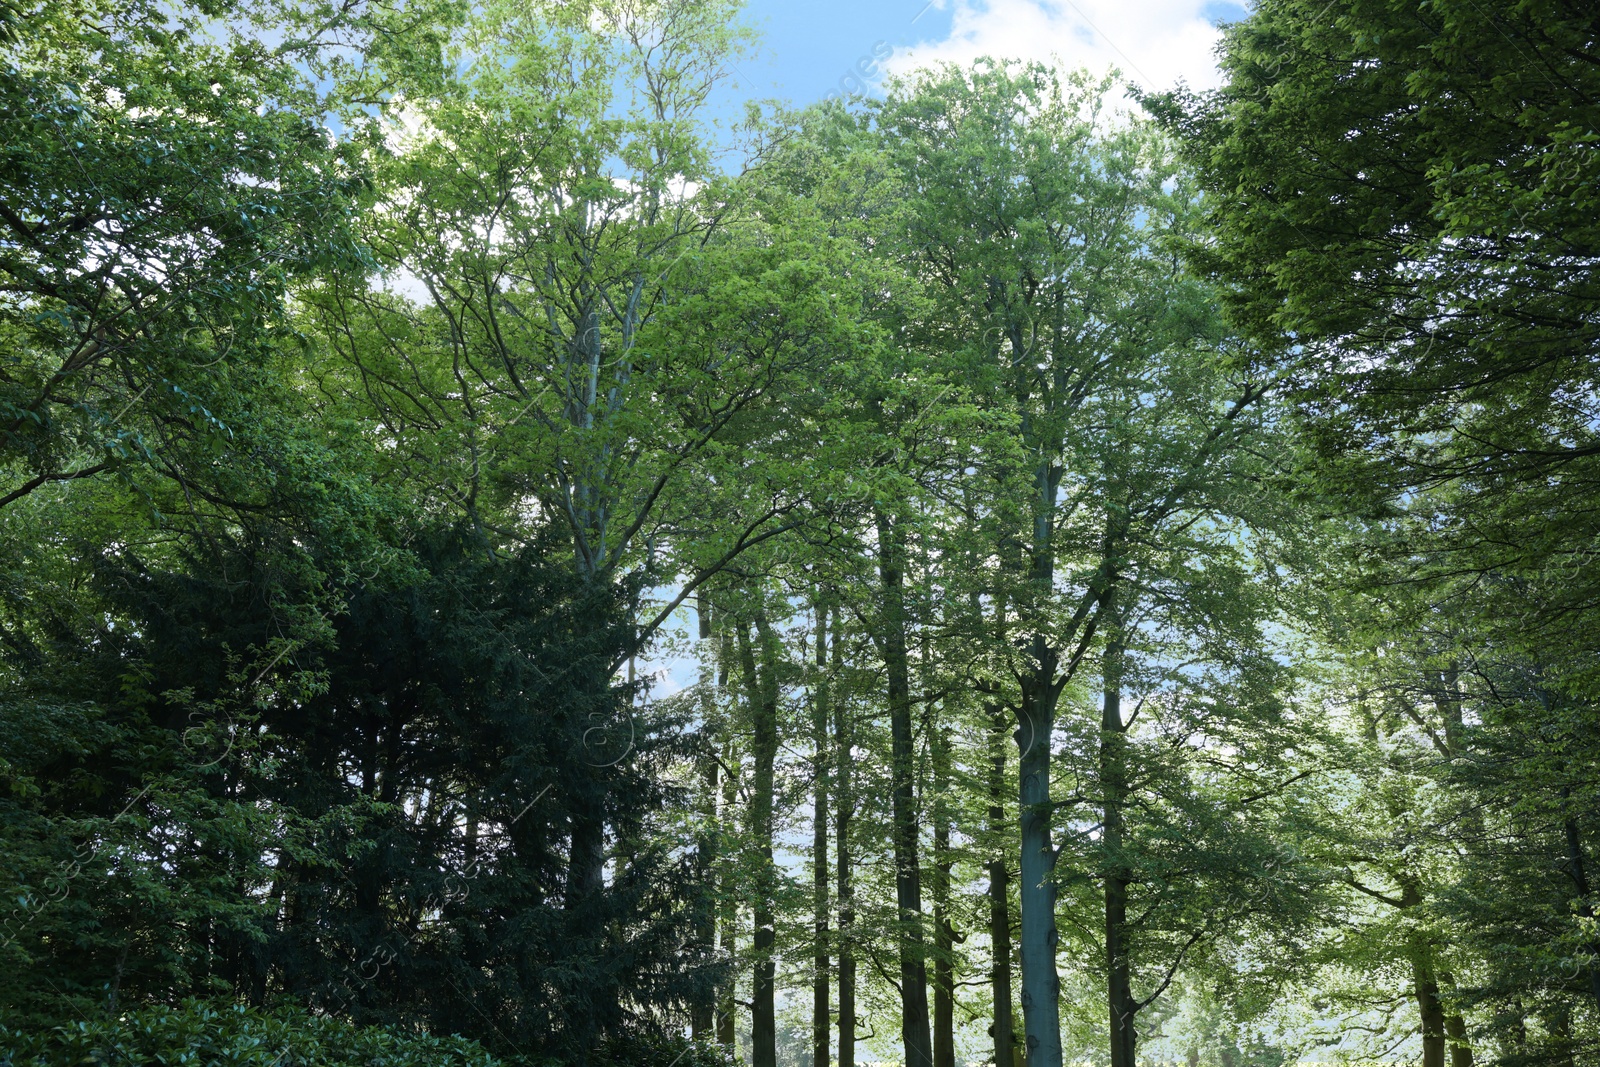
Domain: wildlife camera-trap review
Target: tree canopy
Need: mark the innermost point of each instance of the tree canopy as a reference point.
(502, 568)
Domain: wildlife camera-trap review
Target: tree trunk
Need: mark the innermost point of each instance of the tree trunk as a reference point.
(1455, 1028)
(729, 920)
(586, 857)
(914, 1028)
(1578, 872)
(586, 860)
(1121, 1007)
(728, 906)
(944, 1033)
(844, 804)
(702, 1011)
(819, 848)
(1425, 987)
(761, 687)
(1041, 986)
(1036, 712)
(1005, 1041)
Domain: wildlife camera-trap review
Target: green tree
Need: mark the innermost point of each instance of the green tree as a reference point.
(1402, 198)
(162, 184)
(1038, 232)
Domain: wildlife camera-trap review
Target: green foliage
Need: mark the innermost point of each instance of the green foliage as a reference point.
(201, 1032)
(380, 378)
(305, 838)
(1402, 199)
(162, 187)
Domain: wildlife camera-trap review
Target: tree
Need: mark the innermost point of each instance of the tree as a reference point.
(161, 188)
(598, 346)
(1404, 190)
(1037, 232)
(1402, 198)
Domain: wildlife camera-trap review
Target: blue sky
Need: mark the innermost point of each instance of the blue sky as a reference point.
(809, 47)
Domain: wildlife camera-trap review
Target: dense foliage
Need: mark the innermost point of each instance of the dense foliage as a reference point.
(497, 569)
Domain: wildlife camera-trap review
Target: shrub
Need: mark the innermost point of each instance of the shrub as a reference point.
(209, 1035)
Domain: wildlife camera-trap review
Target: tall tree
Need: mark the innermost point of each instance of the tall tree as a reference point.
(597, 346)
(1045, 254)
(1401, 198)
(844, 741)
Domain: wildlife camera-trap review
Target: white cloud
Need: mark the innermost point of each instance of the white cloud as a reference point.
(1153, 42)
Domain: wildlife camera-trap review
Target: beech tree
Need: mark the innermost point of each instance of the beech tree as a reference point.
(1037, 230)
(1139, 567)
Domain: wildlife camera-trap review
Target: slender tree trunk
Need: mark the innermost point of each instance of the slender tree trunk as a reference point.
(727, 1020)
(1450, 703)
(702, 1011)
(819, 848)
(1455, 1029)
(761, 685)
(1041, 986)
(844, 805)
(1006, 1048)
(944, 1033)
(1041, 688)
(914, 1027)
(1449, 700)
(1120, 1004)
(728, 905)
(586, 857)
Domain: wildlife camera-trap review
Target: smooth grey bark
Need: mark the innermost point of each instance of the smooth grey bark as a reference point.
(1041, 685)
(1121, 1007)
(844, 806)
(1006, 1048)
(819, 847)
(728, 914)
(915, 1033)
(1041, 682)
(944, 1038)
(728, 920)
(1041, 985)
(702, 1011)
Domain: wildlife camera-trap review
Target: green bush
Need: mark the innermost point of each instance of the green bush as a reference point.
(662, 1051)
(208, 1035)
